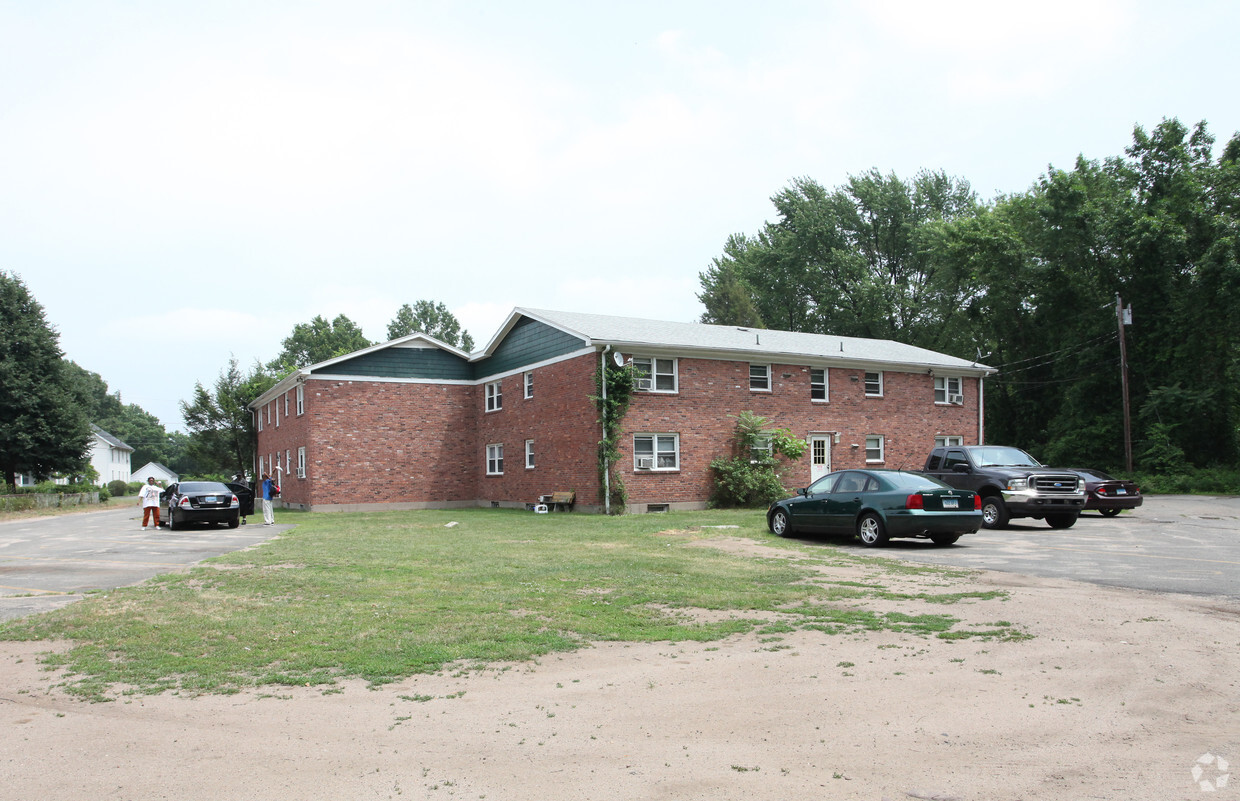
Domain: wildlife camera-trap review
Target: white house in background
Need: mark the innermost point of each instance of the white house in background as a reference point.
(162, 474)
(109, 456)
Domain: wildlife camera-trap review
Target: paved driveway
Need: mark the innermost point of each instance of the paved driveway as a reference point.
(1173, 543)
(50, 562)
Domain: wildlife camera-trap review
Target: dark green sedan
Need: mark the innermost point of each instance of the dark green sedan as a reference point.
(877, 505)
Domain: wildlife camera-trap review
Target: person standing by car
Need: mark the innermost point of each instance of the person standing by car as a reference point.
(148, 499)
(269, 489)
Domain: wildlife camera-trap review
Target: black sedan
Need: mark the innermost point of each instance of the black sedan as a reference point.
(877, 505)
(202, 502)
(1107, 494)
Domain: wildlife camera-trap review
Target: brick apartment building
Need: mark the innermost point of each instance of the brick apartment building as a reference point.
(415, 423)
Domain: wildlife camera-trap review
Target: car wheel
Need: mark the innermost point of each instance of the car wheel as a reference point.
(1061, 521)
(944, 539)
(871, 531)
(172, 521)
(234, 521)
(1108, 512)
(780, 525)
(994, 513)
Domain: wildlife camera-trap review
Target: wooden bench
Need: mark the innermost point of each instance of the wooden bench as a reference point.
(562, 500)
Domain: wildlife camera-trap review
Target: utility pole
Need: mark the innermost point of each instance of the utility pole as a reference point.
(1123, 317)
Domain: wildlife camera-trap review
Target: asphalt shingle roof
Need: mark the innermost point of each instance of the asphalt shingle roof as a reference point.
(631, 331)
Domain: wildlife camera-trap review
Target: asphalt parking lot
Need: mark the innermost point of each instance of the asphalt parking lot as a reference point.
(1172, 543)
(49, 562)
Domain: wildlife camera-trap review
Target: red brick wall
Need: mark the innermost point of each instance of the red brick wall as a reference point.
(562, 421)
(379, 442)
(710, 391)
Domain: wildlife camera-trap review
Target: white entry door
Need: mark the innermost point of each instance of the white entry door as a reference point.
(819, 456)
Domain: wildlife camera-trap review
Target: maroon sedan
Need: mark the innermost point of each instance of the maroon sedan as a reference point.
(1107, 494)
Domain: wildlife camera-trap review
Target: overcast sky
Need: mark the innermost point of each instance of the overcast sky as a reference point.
(181, 182)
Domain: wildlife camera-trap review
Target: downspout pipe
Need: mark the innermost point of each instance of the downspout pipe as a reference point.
(606, 466)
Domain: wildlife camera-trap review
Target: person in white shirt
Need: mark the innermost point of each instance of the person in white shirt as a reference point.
(148, 499)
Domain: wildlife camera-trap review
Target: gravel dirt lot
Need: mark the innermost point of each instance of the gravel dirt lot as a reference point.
(1118, 694)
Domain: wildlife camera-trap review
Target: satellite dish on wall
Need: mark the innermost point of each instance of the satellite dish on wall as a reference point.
(618, 358)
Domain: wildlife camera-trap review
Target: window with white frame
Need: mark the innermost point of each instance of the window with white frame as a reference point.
(818, 383)
(656, 451)
(301, 400)
(258, 417)
(267, 409)
(495, 396)
(873, 448)
(529, 454)
(948, 389)
(495, 460)
(301, 462)
(761, 449)
(874, 385)
(286, 404)
(276, 403)
(760, 377)
(288, 461)
(529, 384)
(654, 374)
(948, 441)
(260, 465)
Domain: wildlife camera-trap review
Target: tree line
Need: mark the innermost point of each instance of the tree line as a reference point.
(1029, 283)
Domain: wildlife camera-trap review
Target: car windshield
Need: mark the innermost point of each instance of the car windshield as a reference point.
(912, 481)
(196, 487)
(1003, 457)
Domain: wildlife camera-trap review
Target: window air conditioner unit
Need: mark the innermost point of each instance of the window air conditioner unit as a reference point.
(645, 464)
(956, 399)
(645, 384)
(301, 472)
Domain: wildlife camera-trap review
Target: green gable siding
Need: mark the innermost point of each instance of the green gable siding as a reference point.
(427, 363)
(528, 342)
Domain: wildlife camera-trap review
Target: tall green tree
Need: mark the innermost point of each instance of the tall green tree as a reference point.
(222, 436)
(1156, 227)
(131, 423)
(43, 428)
(855, 261)
(318, 341)
(433, 319)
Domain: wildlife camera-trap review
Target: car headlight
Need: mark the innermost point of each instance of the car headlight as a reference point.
(1018, 484)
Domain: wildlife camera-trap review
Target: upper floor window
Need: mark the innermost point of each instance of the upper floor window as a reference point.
(655, 375)
(259, 417)
(760, 377)
(873, 448)
(301, 400)
(948, 389)
(495, 396)
(529, 385)
(656, 451)
(818, 383)
(948, 441)
(286, 404)
(874, 385)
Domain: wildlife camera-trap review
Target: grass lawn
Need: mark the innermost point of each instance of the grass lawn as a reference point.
(381, 596)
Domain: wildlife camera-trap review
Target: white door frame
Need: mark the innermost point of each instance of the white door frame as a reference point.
(819, 457)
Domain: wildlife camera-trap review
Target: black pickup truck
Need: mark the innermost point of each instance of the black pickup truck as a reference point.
(1011, 482)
